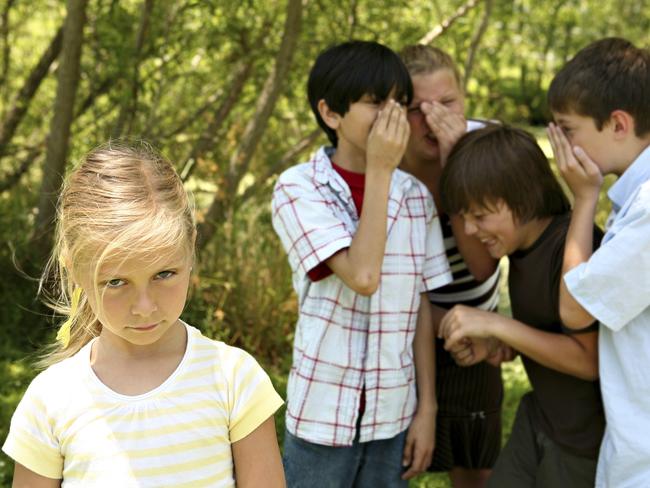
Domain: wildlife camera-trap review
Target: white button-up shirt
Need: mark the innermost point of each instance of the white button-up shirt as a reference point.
(614, 287)
(345, 342)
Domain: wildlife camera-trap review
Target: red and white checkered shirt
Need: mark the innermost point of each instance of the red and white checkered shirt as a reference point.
(344, 341)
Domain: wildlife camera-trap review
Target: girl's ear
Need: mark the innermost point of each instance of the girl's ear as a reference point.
(331, 118)
(622, 123)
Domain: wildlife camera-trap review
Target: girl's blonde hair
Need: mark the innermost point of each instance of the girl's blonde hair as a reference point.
(122, 199)
(421, 59)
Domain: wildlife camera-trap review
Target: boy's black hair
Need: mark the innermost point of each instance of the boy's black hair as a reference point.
(609, 74)
(344, 73)
(499, 162)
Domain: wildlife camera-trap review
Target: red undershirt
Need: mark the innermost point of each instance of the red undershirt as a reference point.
(357, 184)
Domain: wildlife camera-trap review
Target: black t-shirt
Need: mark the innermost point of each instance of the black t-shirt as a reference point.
(568, 409)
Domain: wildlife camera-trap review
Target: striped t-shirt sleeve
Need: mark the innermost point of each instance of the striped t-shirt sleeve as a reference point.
(253, 398)
(31, 440)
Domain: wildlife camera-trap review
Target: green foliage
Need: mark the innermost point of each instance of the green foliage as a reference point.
(184, 72)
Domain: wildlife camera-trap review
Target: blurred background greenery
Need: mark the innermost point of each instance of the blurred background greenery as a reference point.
(219, 86)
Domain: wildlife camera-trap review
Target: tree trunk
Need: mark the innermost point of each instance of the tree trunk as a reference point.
(58, 138)
(254, 130)
(130, 103)
(28, 90)
(476, 41)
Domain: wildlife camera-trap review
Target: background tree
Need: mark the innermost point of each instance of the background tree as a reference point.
(220, 87)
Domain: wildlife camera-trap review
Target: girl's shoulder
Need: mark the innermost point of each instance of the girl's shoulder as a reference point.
(229, 361)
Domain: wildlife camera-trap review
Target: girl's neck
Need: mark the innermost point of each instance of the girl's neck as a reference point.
(134, 370)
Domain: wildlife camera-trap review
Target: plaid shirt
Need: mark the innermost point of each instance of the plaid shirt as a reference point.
(345, 342)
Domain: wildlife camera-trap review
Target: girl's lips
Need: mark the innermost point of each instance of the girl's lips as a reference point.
(145, 328)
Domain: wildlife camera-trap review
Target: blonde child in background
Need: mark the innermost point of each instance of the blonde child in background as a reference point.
(133, 396)
(468, 425)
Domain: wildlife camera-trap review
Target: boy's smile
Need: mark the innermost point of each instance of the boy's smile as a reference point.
(496, 227)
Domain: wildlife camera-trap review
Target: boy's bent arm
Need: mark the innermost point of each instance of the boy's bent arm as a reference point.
(359, 266)
(576, 354)
(577, 250)
(584, 179)
(420, 440)
(257, 458)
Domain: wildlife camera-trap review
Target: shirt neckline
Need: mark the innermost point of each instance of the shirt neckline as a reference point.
(86, 350)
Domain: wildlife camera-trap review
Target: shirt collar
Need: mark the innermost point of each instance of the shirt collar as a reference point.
(637, 173)
(324, 173)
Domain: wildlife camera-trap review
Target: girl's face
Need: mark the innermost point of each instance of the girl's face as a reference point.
(439, 86)
(139, 298)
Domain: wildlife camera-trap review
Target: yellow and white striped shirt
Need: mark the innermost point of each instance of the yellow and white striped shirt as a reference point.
(70, 425)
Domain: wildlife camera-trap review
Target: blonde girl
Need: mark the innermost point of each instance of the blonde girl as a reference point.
(132, 395)
(468, 427)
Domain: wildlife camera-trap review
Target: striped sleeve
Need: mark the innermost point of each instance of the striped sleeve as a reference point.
(252, 395)
(31, 440)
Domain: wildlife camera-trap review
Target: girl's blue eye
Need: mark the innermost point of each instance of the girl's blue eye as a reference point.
(114, 283)
(163, 275)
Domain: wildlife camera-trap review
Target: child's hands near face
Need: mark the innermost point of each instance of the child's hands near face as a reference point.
(578, 170)
(388, 137)
(420, 441)
(448, 126)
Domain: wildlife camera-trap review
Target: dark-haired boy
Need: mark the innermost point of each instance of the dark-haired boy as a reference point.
(499, 180)
(601, 104)
(360, 262)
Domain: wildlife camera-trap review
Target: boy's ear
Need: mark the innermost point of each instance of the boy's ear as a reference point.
(622, 123)
(331, 118)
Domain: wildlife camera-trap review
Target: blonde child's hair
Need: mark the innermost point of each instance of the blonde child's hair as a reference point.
(121, 200)
(421, 59)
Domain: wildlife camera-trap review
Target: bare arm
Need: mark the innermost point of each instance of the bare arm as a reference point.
(359, 266)
(257, 458)
(584, 179)
(420, 440)
(576, 355)
(476, 257)
(26, 478)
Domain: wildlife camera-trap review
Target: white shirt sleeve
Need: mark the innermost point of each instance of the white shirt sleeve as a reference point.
(614, 285)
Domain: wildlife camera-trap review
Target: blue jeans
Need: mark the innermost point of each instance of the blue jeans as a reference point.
(374, 464)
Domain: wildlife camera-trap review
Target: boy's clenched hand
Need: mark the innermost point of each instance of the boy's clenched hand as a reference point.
(581, 174)
(388, 137)
(447, 125)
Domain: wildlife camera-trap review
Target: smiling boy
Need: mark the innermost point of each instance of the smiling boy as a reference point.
(361, 261)
(500, 181)
(601, 104)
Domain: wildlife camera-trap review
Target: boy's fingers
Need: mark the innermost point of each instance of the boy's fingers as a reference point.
(407, 456)
(586, 162)
(416, 464)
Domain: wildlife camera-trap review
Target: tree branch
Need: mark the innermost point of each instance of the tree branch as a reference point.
(59, 136)
(203, 143)
(476, 40)
(254, 130)
(24, 96)
(448, 22)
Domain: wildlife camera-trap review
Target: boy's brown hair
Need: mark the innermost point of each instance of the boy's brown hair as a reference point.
(609, 74)
(499, 162)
